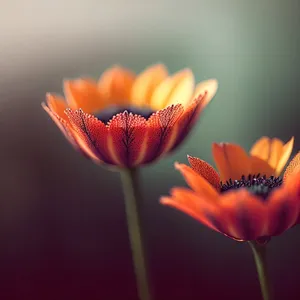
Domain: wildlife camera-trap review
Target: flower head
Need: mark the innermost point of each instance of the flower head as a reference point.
(246, 200)
(128, 120)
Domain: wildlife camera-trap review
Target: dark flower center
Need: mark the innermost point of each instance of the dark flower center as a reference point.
(106, 114)
(256, 184)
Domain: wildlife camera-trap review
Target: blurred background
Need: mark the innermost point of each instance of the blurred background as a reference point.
(62, 225)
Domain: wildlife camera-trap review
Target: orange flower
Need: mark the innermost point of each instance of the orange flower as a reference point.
(246, 200)
(128, 120)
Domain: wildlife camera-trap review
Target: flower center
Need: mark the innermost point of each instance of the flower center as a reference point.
(106, 114)
(256, 184)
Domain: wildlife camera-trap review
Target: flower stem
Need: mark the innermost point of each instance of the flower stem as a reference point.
(132, 195)
(259, 252)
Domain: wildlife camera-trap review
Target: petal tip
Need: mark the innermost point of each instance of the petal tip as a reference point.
(116, 66)
(191, 158)
(48, 95)
(164, 200)
(180, 167)
(217, 145)
(159, 65)
(187, 73)
(177, 165)
(66, 82)
(211, 83)
(292, 140)
(44, 105)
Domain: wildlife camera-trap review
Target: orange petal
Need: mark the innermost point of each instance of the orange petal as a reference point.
(260, 166)
(293, 167)
(232, 161)
(115, 85)
(273, 151)
(283, 206)
(62, 124)
(205, 170)
(162, 131)
(261, 148)
(196, 182)
(84, 94)
(57, 104)
(183, 91)
(127, 135)
(198, 207)
(145, 84)
(173, 90)
(245, 215)
(285, 155)
(209, 88)
(276, 148)
(91, 135)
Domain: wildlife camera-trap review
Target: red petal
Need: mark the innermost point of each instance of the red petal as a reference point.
(205, 170)
(163, 130)
(188, 119)
(245, 215)
(284, 205)
(198, 207)
(91, 135)
(128, 138)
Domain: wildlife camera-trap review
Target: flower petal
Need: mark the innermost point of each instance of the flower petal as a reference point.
(205, 170)
(127, 138)
(84, 94)
(145, 84)
(285, 155)
(260, 166)
(196, 182)
(273, 151)
(283, 205)
(276, 148)
(188, 119)
(61, 123)
(245, 215)
(162, 132)
(183, 90)
(232, 161)
(57, 104)
(91, 135)
(208, 87)
(115, 85)
(173, 90)
(193, 111)
(261, 148)
(293, 167)
(197, 206)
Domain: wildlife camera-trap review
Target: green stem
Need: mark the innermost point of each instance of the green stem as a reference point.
(132, 204)
(259, 252)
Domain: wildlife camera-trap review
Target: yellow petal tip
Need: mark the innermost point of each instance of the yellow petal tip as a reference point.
(177, 165)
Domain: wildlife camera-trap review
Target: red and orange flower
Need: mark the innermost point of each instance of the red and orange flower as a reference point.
(128, 120)
(246, 200)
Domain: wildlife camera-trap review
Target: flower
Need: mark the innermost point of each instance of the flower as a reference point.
(128, 120)
(246, 200)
